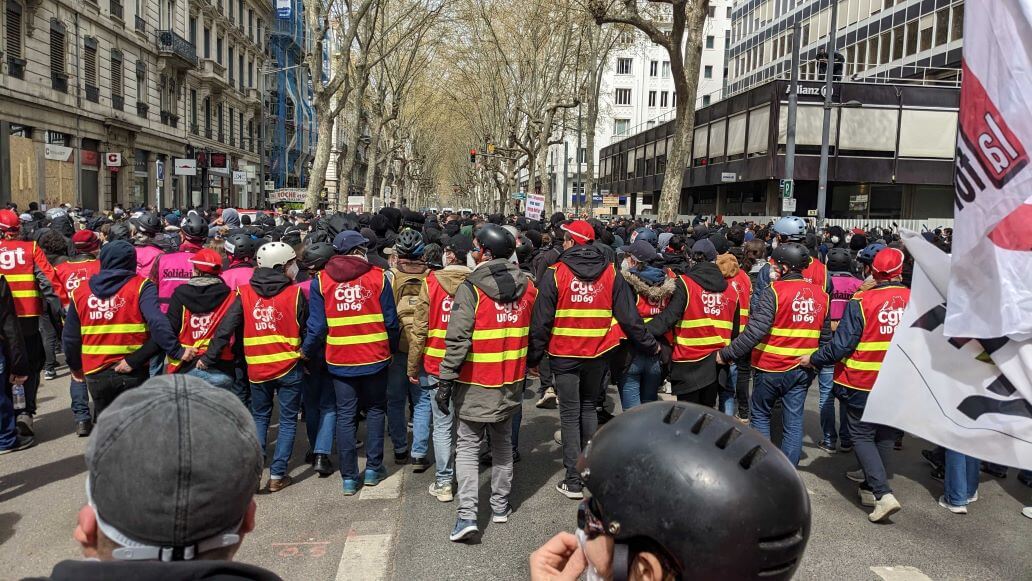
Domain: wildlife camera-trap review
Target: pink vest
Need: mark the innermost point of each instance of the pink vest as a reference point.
(842, 288)
(145, 257)
(306, 288)
(237, 277)
(174, 269)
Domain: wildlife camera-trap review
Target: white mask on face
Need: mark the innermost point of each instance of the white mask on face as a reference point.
(445, 261)
(590, 572)
(627, 264)
(292, 271)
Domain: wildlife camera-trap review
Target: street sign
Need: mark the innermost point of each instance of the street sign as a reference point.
(159, 167)
(787, 188)
(728, 176)
(270, 185)
(611, 201)
(113, 159)
(788, 204)
(239, 178)
(812, 213)
(185, 167)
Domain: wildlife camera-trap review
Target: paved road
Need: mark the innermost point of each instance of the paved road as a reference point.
(398, 531)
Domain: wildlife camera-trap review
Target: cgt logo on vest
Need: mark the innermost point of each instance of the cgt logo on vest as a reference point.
(75, 279)
(200, 325)
(350, 297)
(265, 316)
(712, 303)
(446, 307)
(9, 258)
(583, 291)
(104, 308)
(509, 312)
(804, 307)
(889, 316)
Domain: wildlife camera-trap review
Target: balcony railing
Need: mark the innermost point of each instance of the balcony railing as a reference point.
(118, 102)
(92, 93)
(172, 45)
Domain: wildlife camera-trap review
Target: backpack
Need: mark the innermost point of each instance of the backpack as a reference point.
(406, 289)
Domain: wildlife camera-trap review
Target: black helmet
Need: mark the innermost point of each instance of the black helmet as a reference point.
(194, 227)
(119, 231)
(792, 254)
(409, 244)
(716, 497)
(315, 256)
(839, 260)
(496, 240)
(240, 246)
(148, 223)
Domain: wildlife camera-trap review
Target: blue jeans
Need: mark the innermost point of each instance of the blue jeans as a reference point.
(790, 387)
(214, 377)
(8, 429)
(826, 404)
(157, 365)
(726, 395)
(320, 403)
(398, 392)
(241, 387)
(444, 435)
(353, 393)
(289, 388)
(640, 384)
(80, 401)
(961, 481)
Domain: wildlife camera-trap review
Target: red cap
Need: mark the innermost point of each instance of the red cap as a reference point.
(86, 241)
(888, 263)
(580, 231)
(207, 261)
(9, 220)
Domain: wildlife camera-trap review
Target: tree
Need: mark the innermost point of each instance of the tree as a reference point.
(677, 26)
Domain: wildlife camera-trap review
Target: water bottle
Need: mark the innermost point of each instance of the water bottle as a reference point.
(19, 396)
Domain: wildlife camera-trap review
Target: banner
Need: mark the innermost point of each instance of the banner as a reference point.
(972, 396)
(283, 9)
(535, 206)
(990, 292)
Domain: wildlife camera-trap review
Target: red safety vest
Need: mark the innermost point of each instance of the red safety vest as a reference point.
(743, 286)
(437, 324)
(197, 329)
(501, 331)
(800, 309)
(17, 265)
(882, 309)
(72, 275)
(584, 325)
(357, 333)
(272, 335)
(112, 327)
(706, 324)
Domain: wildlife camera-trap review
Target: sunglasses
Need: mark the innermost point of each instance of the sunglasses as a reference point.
(588, 519)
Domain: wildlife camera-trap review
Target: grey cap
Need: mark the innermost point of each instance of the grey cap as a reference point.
(641, 250)
(706, 249)
(172, 464)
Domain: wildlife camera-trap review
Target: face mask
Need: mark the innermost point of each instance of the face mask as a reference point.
(590, 572)
(445, 261)
(626, 265)
(774, 243)
(470, 261)
(292, 271)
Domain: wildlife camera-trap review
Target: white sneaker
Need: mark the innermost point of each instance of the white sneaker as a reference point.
(857, 476)
(442, 493)
(1027, 511)
(950, 507)
(548, 400)
(866, 497)
(973, 498)
(884, 507)
(558, 437)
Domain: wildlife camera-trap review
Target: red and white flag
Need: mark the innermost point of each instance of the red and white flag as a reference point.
(990, 292)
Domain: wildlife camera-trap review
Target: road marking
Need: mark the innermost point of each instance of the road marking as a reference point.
(389, 489)
(899, 573)
(365, 552)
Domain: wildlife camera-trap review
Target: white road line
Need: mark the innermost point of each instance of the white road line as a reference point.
(389, 489)
(899, 573)
(365, 552)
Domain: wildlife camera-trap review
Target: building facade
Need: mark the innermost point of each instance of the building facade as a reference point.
(99, 97)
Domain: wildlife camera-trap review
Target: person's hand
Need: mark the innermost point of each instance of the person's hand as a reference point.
(720, 360)
(19, 379)
(77, 375)
(443, 397)
(201, 365)
(805, 361)
(658, 349)
(123, 367)
(189, 354)
(533, 372)
(413, 380)
(560, 558)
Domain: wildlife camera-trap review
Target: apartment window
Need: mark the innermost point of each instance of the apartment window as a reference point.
(207, 42)
(117, 96)
(89, 58)
(250, 24)
(207, 117)
(218, 50)
(707, 72)
(231, 65)
(652, 98)
(957, 24)
(897, 43)
(191, 30)
(710, 41)
(250, 73)
(653, 68)
(705, 100)
(623, 66)
(663, 98)
(240, 13)
(15, 62)
(625, 38)
(250, 135)
(193, 111)
(240, 124)
(620, 126)
(911, 32)
(141, 87)
(729, 13)
(221, 121)
(942, 27)
(58, 50)
(232, 126)
(240, 71)
(623, 97)
(666, 69)
(711, 11)
(673, 98)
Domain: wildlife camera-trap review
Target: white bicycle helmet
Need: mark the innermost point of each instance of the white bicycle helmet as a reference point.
(792, 227)
(273, 254)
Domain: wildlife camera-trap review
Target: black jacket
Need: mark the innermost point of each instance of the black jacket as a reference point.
(10, 333)
(543, 259)
(200, 298)
(157, 571)
(587, 263)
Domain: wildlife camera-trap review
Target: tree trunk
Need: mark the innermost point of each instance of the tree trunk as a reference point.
(370, 180)
(317, 177)
(351, 148)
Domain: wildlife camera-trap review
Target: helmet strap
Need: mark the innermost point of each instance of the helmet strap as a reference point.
(621, 562)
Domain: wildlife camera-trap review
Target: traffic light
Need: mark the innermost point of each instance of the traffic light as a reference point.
(472, 156)
(490, 149)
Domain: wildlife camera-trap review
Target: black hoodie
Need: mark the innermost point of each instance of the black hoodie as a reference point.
(201, 295)
(199, 570)
(267, 282)
(587, 262)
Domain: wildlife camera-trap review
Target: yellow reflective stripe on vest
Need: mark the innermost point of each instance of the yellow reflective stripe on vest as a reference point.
(437, 333)
(20, 277)
(583, 313)
(574, 332)
(744, 311)
(270, 339)
(694, 341)
(355, 319)
(109, 349)
(356, 339)
(694, 323)
(647, 319)
(498, 357)
(798, 333)
(25, 294)
(861, 365)
(873, 345)
(501, 333)
(790, 351)
(116, 328)
(273, 358)
(434, 352)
